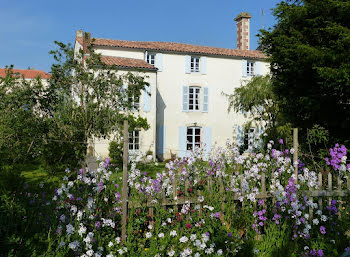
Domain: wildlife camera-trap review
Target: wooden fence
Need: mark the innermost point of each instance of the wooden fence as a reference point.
(326, 190)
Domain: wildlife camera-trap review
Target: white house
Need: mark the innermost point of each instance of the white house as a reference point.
(187, 108)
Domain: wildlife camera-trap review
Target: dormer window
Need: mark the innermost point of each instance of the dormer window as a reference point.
(151, 58)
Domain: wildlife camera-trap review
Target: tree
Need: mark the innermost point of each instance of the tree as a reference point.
(309, 51)
(85, 99)
(20, 123)
(257, 99)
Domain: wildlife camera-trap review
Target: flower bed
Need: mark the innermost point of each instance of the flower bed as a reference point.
(229, 205)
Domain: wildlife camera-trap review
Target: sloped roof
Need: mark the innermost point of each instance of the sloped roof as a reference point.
(127, 62)
(28, 74)
(177, 47)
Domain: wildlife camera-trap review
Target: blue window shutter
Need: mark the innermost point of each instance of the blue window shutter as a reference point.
(161, 140)
(258, 68)
(244, 68)
(184, 98)
(147, 99)
(260, 136)
(207, 142)
(205, 99)
(187, 64)
(203, 65)
(240, 135)
(159, 61)
(182, 141)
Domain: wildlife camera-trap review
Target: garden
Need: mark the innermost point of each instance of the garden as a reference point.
(230, 204)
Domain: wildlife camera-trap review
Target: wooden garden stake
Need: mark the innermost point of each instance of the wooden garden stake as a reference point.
(125, 179)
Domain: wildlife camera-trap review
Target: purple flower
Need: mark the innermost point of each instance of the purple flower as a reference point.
(320, 253)
(98, 225)
(229, 234)
(281, 141)
(217, 215)
(260, 202)
(323, 230)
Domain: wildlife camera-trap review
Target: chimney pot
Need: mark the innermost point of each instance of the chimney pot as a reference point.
(79, 33)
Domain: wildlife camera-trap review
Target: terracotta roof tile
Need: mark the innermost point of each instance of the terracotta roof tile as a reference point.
(28, 74)
(127, 62)
(178, 47)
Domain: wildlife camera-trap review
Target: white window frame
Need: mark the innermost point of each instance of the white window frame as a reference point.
(195, 64)
(134, 141)
(191, 143)
(250, 68)
(135, 105)
(151, 58)
(195, 98)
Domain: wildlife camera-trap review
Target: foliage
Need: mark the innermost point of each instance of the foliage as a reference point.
(116, 153)
(256, 99)
(21, 126)
(225, 216)
(308, 50)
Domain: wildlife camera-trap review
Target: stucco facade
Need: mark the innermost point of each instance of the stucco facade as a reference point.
(188, 103)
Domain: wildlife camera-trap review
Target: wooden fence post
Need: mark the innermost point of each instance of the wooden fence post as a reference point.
(329, 187)
(295, 154)
(125, 179)
(320, 188)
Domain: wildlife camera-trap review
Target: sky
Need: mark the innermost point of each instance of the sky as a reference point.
(29, 28)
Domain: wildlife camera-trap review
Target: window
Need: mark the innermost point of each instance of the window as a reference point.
(193, 138)
(135, 103)
(194, 64)
(193, 98)
(134, 140)
(249, 138)
(250, 68)
(151, 58)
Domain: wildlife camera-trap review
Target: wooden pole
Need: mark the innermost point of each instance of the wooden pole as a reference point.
(295, 155)
(125, 179)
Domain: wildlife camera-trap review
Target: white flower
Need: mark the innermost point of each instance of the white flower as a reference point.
(193, 237)
(219, 252)
(171, 253)
(117, 240)
(63, 218)
(90, 252)
(82, 229)
(70, 229)
(315, 221)
(183, 239)
(62, 243)
(173, 233)
(150, 227)
(209, 250)
(110, 255)
(324, 218)
(148, 235)
(74, 245)
(160, 235)
(169, 220)
(110, 244)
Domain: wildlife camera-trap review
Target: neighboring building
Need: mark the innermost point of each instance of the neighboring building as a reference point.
(26, 74)
(187, 105)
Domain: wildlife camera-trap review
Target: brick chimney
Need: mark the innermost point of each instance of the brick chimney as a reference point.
(243, 20)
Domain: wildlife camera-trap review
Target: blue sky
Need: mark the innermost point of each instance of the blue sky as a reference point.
(29, 28)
